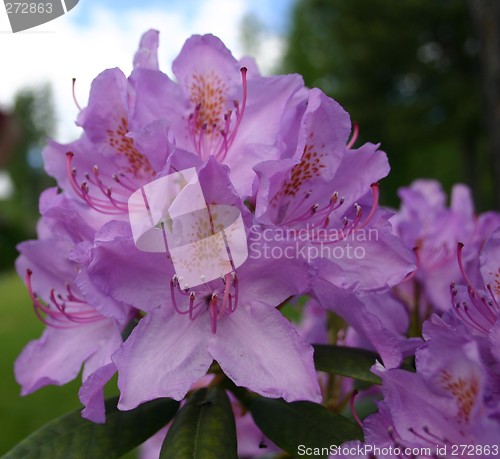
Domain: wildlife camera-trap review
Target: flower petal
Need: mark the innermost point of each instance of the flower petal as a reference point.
(205, 54)
(260, 349)
(91, 393)
(367, 319)
(163, 357)
(370, 260)
(147, 54)
(118, 274)
(57, 357)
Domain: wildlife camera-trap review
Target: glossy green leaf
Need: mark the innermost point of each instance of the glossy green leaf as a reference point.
(71, 436)
(203, 429)
(300, 425)
(346, 361)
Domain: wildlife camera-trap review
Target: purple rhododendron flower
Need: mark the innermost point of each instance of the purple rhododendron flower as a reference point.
(443, 405)
(426, 224)
(219, 107)
(196, 212)
(323, 196)
(328, 193)
(76, 334)
(252, 342)
(284, 147)
(477, 304)
(104, 166)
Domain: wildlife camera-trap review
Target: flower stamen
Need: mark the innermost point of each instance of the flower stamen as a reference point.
(219, 302)
(73, 84)
(483, 307)
(110, 205)
(210, 134)
(66, 312)
(354, 136)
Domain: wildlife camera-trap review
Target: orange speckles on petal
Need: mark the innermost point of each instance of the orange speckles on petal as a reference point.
(496, 282)
(209, 93)
(138, 163)
(463, 390)
(309, 167)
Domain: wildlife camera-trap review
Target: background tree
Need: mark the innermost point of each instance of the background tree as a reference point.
(408, 73)
(32, 117)
(486, 14)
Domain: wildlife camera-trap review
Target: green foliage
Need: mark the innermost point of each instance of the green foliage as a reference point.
(72, 436)
(346, 361)
(203, 429)
(407, 72)
(289, 425)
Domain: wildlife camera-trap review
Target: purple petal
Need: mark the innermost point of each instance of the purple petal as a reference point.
(494, 338)
(108, 102)
(97, 371)
(91, 393)
(119, 274)
(151, 448)
(152, 140)
(259, 349)
(368, 319)
(147, 54)
(163, 357)
(375, 260)
(158, 97)
(203, 54)
(268, 99)
(490, 264)
(56, 358)
(358, 170)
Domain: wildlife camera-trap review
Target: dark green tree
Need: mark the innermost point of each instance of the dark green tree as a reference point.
(33, 115)
(408, 73)
(486, 15)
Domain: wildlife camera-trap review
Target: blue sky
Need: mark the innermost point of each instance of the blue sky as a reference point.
(272, 13)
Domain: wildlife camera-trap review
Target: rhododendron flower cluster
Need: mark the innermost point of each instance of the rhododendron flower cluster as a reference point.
(313, 259)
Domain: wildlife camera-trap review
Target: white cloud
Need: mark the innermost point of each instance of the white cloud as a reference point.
(60, 50)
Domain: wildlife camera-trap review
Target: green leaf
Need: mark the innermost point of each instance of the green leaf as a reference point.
(71, 436)
(346, 361)
(203, 429)
(302, 425)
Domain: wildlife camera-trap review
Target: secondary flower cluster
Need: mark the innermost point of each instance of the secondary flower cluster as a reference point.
(282, 157)
(450, 406)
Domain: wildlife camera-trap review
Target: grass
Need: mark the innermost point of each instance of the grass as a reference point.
(20, 416)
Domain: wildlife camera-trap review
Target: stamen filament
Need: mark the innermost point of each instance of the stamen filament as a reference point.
(61, 314)
(74, 94)
(376, 195)
(226, 296)
(354, 137)
(213, 313)
(173, 283)
(353, 409)
(481, 306)
(109, 206)
(240, 113)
